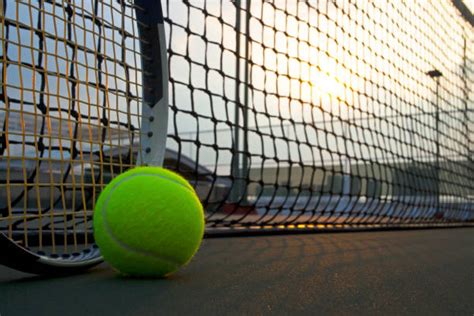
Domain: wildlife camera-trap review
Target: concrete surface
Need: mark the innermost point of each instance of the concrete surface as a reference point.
(422, 272)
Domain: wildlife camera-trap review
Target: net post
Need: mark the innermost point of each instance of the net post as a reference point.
(346, 165)
(436, 75)
(245, 170)
(438, 188)
(240, 163)
(235, 172)
(469, 162)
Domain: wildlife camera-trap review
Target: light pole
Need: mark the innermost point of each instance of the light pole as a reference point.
(436, 75)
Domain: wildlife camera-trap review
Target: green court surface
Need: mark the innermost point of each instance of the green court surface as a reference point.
(423, 272)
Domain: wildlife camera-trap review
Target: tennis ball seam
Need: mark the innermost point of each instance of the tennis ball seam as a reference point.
(118, 241)
(156, 175)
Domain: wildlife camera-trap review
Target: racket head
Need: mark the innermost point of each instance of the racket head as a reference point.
(84, 97)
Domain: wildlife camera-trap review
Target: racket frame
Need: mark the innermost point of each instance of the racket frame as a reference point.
(154, 124)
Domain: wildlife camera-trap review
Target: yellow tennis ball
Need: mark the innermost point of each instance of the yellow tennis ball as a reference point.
(148, 222)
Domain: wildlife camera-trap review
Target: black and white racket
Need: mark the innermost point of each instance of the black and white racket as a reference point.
(84, 97)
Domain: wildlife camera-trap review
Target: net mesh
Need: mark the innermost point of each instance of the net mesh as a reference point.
(303, 113)
(282, 113)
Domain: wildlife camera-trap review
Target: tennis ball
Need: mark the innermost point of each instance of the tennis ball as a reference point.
(148, 222)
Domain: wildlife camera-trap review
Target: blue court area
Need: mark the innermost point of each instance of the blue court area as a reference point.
(422, 272)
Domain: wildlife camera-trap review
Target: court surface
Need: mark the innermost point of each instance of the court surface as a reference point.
(396, 272)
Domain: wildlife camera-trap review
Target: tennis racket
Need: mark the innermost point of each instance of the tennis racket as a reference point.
(84, 97)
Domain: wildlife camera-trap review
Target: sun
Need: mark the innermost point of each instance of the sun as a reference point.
(326, 86)
(322, 83)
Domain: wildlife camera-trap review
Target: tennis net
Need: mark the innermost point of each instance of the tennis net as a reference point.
(283, 114)
(319, 113)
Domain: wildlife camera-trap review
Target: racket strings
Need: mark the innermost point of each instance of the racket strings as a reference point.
(70, 116)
